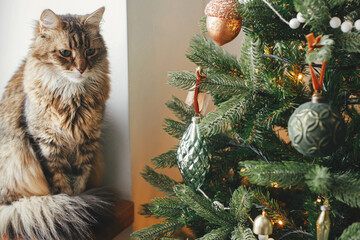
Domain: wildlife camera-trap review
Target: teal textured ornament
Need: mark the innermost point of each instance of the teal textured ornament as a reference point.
(192, 156)
(316, 129)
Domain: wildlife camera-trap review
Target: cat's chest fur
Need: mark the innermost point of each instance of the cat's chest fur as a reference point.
(64, 126)
(67, 123)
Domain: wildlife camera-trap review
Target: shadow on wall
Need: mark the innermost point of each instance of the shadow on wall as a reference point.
(112, 141)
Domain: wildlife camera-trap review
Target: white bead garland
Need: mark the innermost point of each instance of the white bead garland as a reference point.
(335, 22)
(294, 23)
(357, 24)
(346, 26)
(300, 17)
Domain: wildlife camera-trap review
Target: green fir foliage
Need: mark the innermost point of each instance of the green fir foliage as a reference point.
(284, 174)
(161, 181)
(253, 165)
(207, 54)
(203, 207)
(241, 204)
(241, 233)
(157, 231)
(227, 112)
(351, 233)
(217, 234)
(165, 160)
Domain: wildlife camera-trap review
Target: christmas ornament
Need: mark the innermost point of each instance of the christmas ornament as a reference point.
(357, 24)
(192, 155)
(335, 22)
(346, 26)
(300, 17)
(315, 128)
(323, 224)
(262, 226)
(223, 22)
(294, 23)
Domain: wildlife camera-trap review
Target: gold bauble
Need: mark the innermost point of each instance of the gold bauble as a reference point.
(323, 224)
(223, 22)
(262, 225)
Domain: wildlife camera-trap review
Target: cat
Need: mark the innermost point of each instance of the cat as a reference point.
(50, 124)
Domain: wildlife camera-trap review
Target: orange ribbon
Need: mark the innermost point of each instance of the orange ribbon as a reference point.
(198, 79)
(312, 44)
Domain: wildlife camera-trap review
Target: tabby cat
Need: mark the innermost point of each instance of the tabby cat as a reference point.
(50, 121)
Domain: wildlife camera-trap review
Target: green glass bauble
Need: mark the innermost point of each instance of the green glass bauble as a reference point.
(316, 129)
(192, 156)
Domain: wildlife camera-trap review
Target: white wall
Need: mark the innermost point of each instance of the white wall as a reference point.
(16, 30)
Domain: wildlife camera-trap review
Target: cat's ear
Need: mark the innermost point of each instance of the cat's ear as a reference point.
(49, 20)
(95, 18)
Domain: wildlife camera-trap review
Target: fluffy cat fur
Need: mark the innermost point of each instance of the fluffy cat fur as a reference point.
(50, 121)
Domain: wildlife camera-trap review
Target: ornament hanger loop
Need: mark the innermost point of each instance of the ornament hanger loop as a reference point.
(312, 44)
(199, 77)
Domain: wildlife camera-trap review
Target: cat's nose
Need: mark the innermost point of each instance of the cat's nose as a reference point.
(80, 65)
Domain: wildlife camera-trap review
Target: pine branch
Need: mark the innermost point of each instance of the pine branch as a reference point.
(275, 212)
(184, 80)
(166, 207)
(319, 179)
(285, 174)
(165, 160)
(316, 14)
(226, 113)
(241, 233)
(174, 128)
(346, 188)
(217, 234)
(145, 210)
(251, 62)
(349, 42)
(207, 54)
(161, 181)
(241, 203)
(223, 84)
(157, 231)
(202, 206)
(261, 22)
(351, 233)
(202, 24)
(181, 110)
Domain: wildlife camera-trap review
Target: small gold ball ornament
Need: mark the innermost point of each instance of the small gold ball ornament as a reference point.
(223, 22)
(262, 226)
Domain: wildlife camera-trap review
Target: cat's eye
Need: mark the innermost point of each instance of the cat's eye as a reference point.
(65, 53)
(90, 52)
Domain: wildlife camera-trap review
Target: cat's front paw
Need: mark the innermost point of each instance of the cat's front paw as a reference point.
(7, 196)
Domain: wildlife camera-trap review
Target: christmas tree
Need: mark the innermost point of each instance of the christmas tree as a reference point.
(243, 177)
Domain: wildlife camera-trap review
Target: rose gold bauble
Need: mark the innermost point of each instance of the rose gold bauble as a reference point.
(223, 22)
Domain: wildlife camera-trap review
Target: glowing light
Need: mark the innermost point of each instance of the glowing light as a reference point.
(300, 77)
(275, 185)
(318, 200)
(280, 222)
(243, 170)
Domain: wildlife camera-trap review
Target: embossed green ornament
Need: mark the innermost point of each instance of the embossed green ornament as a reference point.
(192, 156)
(316, 129)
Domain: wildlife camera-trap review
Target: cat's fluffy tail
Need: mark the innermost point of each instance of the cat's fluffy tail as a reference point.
(57, 217)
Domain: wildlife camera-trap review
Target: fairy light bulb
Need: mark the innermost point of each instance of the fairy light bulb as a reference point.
(280, 222)
(300, 76)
